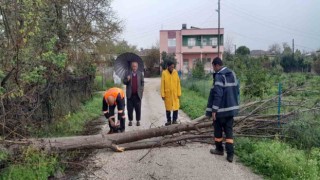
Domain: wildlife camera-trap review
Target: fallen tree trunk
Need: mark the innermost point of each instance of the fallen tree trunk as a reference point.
(245, 124)
(162, 142)
(105, 140)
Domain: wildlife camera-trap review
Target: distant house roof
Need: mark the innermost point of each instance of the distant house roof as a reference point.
(261, 53)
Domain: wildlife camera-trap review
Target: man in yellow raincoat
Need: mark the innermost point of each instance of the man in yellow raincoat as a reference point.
(171, 92)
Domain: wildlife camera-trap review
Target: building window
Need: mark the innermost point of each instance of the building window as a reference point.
(186, 65)
(194, 61)
(213, 41)
(191, 41)
(204, 42)
(172, 42)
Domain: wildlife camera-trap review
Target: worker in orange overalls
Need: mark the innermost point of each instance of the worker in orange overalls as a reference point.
(114, 97)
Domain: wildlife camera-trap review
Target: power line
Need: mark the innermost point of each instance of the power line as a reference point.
(232, 5)
(171, 18)
(258, 39)
(260, 20)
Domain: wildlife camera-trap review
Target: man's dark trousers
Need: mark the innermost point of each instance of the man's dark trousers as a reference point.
(224, 124)
(134, 102)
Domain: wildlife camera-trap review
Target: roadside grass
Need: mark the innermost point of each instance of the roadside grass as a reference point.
(33, 164)
(192, 103)
(3, 155)
(277, 160)
(201, 86)
(73, 123)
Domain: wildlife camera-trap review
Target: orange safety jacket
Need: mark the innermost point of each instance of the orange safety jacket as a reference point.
(114, 92)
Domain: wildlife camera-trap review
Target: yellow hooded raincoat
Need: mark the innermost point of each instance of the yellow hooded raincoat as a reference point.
(170, 89)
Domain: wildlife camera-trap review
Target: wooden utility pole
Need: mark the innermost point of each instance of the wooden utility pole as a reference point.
(218, 28)
(293, 49)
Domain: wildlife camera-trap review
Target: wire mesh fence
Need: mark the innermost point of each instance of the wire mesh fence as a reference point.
(289, 108)
(291, 94)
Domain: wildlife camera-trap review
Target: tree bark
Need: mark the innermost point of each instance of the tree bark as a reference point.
(124, 141)
(112, 141)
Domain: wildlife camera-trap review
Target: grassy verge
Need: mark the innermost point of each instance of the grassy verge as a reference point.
(192, 103)
(73, 123)
(278, 160)
(33, 164)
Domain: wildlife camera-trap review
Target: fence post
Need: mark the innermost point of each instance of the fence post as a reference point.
(239, 90)
(103, 78)
(279, 102)
(204, 88)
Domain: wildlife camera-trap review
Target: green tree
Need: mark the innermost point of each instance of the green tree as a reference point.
(165, 57)
(294, 63)
(316, 62)
(243, 50)
(256, 83)
(198, 70)
(152, 58)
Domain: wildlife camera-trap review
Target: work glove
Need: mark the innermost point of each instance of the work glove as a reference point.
(208, 114)
(112, 122)
(107, 115)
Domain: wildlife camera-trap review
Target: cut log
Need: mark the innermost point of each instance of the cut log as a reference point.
(112, 141)
(161, 142)
(248, 125)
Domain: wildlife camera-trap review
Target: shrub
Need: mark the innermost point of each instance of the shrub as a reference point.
(304, 131)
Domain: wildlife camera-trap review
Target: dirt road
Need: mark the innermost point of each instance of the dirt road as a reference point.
(192, 161)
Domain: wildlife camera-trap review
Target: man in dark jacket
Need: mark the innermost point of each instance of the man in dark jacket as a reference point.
(222, 106)
(134, 90)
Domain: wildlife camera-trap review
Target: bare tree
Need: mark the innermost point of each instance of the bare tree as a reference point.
(275, 48)
(38, 40)
(229, 45)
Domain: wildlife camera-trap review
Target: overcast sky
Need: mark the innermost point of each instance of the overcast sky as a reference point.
(253, 23)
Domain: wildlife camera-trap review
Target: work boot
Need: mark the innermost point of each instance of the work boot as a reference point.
(230, 157)
(219, 146)
(216, 152)
(167, 123)
(230, 150)
(174, 122)
(110, 131)
(138, 123)
(130, 123)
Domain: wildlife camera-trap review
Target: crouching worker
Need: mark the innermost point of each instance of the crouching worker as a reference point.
(114, 97)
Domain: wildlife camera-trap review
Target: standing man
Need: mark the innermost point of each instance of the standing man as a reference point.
(134, 90)
(114, 97)
(171, 92)
(223, 105)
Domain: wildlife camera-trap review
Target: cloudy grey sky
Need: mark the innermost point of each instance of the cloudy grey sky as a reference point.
(253, 23)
